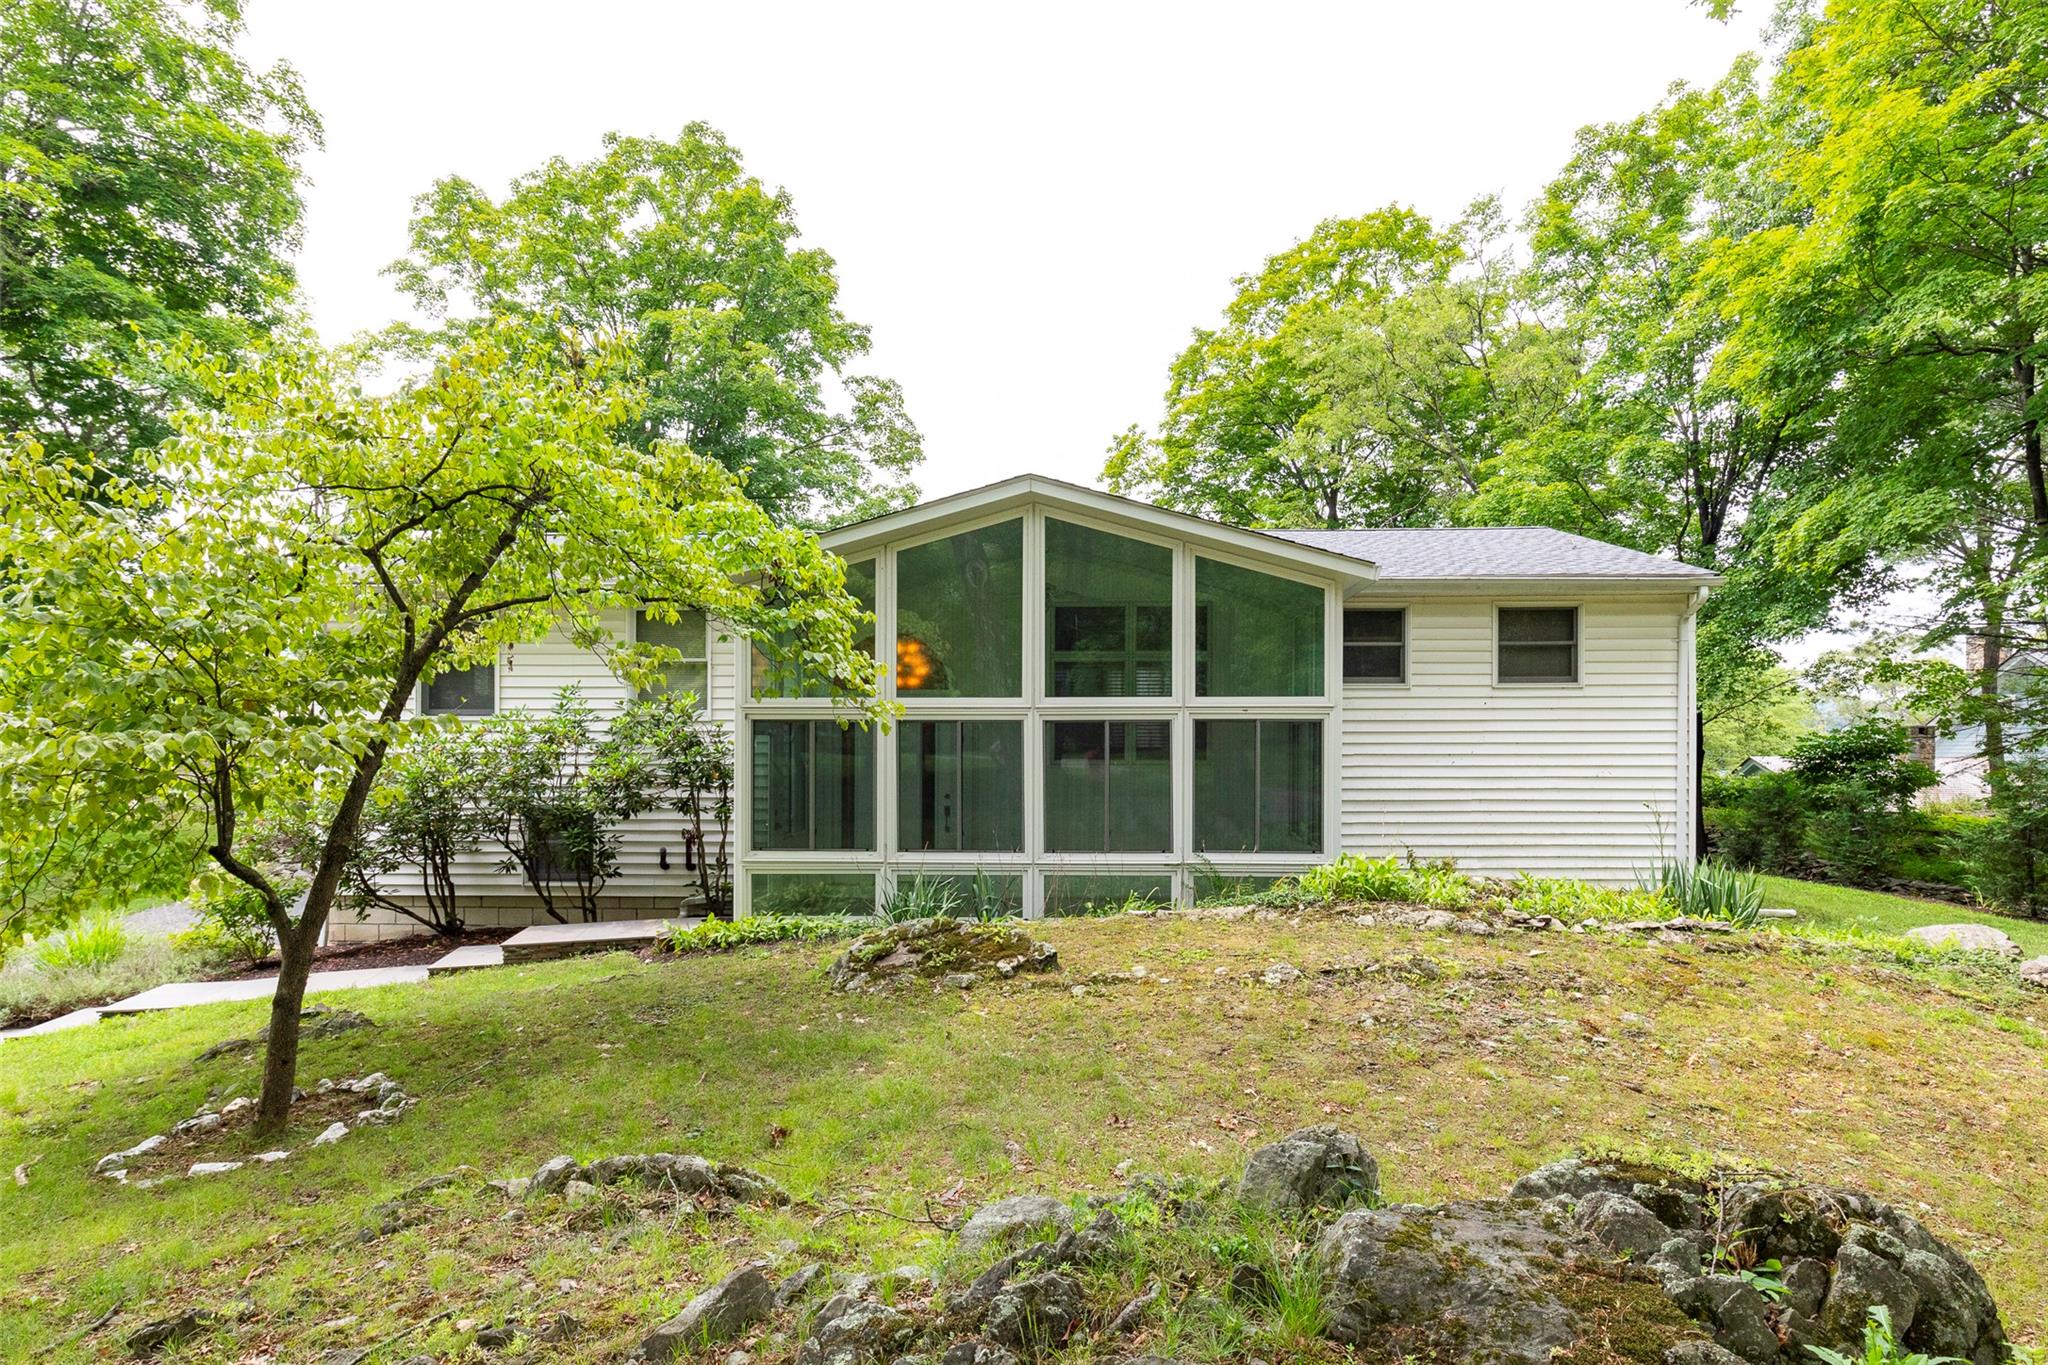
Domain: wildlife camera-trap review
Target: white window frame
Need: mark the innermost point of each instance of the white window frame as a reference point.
(1405, 643)
(1578, 677)
(710, 648)
(1180, 865)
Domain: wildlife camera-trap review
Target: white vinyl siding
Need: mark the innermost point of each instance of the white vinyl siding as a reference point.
(1556, 779)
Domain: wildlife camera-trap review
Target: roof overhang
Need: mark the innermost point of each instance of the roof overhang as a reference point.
(850, 542)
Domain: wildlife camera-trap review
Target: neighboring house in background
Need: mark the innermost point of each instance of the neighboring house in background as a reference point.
(1103, 698)
(1958, 759)
(1756, 765)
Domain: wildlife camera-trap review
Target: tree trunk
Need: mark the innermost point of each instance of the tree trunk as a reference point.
(281, 1054)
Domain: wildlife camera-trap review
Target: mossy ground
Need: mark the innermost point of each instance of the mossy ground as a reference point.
(1916, 1077)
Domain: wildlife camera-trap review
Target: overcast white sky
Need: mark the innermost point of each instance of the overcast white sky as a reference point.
(1030, 207)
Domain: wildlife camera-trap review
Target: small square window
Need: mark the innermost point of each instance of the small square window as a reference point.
(1538, 645)
(461, 692)
(1375, 645)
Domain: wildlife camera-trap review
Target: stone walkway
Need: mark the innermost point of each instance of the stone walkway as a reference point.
(541, 942)
(178, 994)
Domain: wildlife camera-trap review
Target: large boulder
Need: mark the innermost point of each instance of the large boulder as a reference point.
(2034, 971)
(1973, 938)
(938, 948)
(1314, 1168)
(1486, 1281)
(1020, 1218)
(720, 1313)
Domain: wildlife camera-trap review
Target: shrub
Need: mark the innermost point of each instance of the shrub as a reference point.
(97, 941)
(232, 921)
(1860, 785)
(2005, 857)
(920, 898)
(1759, 822)
(1569, 899)
(716, 934)
(423, 815)
(692, 774)
(1711, 890)
(1354, 877)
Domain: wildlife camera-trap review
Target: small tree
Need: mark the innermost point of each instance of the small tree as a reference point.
(551, 795)
(690, 758)
(1859, 792)
(422, 816)
(243, 626)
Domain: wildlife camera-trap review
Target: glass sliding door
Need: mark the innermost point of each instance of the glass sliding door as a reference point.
(1108, 786)
(1258, 786)
(814, 785)
(960, 785)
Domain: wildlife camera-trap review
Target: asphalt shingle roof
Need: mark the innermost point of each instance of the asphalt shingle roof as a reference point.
(1493, 552)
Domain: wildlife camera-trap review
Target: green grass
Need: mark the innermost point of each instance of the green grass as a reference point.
(1915, 1078)
(1845, 909)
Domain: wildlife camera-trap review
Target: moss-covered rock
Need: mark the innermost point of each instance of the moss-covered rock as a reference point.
(932, 948)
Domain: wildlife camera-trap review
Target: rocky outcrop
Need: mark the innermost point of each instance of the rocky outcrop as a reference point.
(684, 1174)
(1314, 1168)
(939, 949)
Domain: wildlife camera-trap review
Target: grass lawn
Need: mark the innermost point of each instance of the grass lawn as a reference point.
(1462, 1061)
(1846, 908)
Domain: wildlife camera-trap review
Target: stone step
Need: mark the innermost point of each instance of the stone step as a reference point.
(468, 956)
(543, 942)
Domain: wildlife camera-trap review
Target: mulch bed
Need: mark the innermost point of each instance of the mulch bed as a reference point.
(417, 951)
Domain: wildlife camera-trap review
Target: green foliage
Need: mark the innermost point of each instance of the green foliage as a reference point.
(1711, 890)
(688, 768)
(2006, 856)
(1758, 822)
(151, 189)
(232, 921)
(422, 816)
(1859, 786)
(1881, 1346)
(91, 943)
(921, 898)
(736, 329)
(715, 934)
(337, 541)
(1573, 900)
(1354, 877)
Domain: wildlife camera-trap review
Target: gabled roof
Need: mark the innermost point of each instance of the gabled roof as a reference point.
(991, 499)
(1480, 552)
(1417, 554)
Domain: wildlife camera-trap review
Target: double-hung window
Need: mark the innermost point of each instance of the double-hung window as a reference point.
(686, 636)
(1375, 645)
(1538, 645)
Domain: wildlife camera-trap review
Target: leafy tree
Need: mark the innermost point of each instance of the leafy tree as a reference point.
(1766, 717)
(690, 767)
(1252, 432)
(1909, 280)
(149, 187)
(242, 626)
(737, 329)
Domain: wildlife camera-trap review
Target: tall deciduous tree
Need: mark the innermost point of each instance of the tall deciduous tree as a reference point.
(243, 628)
(1252, 431)
(149, 186)
(1912, 281)
(738, 330)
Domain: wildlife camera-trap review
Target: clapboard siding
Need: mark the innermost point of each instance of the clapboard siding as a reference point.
(530, 676)
(1580, 780)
